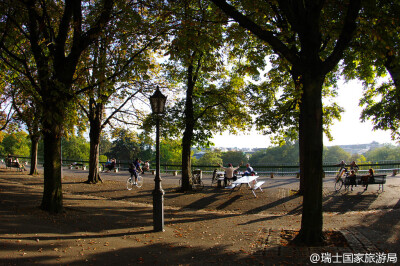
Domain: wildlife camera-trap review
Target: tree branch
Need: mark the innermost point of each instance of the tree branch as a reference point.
(345, 37)
(265, 35)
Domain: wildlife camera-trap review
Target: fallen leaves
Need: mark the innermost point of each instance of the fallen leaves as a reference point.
(332, 238)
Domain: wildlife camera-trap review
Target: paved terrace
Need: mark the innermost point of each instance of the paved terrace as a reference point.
(106, 224)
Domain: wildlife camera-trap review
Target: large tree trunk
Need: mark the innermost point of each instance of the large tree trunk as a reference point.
(301, 160)
(94, 175)
(34, 152)
(186, 159)
(95, 132)
(188, 133)
(312, 149)
(52, 194)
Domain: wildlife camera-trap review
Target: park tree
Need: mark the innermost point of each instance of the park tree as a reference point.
(16, 144)
(117, 70)
(375, 59)
(234, 157)
(336, 154)
(277, 155)
(210, 158)
(170, 151)
(212, 99)
(125, 145)
(75, 147)
(7, 112)
(385, 153)
(310, 38)
(28, 112)
(105, 144)
(44, 40)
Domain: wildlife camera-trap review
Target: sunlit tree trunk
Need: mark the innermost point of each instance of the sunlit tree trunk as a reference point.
(95, 118)
(188, 133)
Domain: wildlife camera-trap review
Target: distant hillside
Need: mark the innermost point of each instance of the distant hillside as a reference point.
(352, 149)
(360, 148)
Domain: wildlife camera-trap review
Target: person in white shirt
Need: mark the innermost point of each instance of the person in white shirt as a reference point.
(229, 172)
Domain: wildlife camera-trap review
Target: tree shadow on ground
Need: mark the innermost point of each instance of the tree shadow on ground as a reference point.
(271, 205)
(380, 230)
(343, 203)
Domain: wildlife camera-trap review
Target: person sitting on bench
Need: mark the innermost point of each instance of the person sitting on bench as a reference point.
(229, 173)
(368, 178)
(352, 178)
(110, 165)
(249, 170)
(146, 167)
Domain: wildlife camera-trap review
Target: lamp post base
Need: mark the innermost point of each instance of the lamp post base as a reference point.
(158, 210)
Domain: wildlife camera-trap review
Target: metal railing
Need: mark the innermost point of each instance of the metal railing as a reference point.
(262, 170)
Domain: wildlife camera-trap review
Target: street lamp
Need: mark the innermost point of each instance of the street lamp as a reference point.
(157, 102)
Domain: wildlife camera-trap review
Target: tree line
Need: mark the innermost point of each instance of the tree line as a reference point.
(71, 66)
(127, 146)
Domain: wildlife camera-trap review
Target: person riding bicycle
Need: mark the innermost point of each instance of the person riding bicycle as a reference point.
(354, 166)
(342, 169)
(134, 168)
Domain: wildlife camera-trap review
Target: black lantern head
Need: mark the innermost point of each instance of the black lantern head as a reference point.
(157, 102)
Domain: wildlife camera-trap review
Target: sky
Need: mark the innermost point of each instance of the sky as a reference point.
(350, 130)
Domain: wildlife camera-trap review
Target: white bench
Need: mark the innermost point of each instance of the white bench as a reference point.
(257, 186)
(232, 186)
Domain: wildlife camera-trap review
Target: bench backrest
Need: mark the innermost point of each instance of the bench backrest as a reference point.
(379, 179)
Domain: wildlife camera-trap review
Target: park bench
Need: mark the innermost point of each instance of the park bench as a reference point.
(77, 166)
(19, 166)
(377, 179)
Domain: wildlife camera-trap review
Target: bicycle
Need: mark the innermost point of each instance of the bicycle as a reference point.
(216, 176)
(130, 182)
(339, 182)
(197, 182)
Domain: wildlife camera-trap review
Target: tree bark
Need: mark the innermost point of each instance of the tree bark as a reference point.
(188, 133)
(94, 175)
(34, 152)
(96, 110)
(186, 159)
(394, 70)
(52, 200)
(312, 149)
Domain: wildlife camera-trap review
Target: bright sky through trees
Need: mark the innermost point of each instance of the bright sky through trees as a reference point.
(350, 130)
